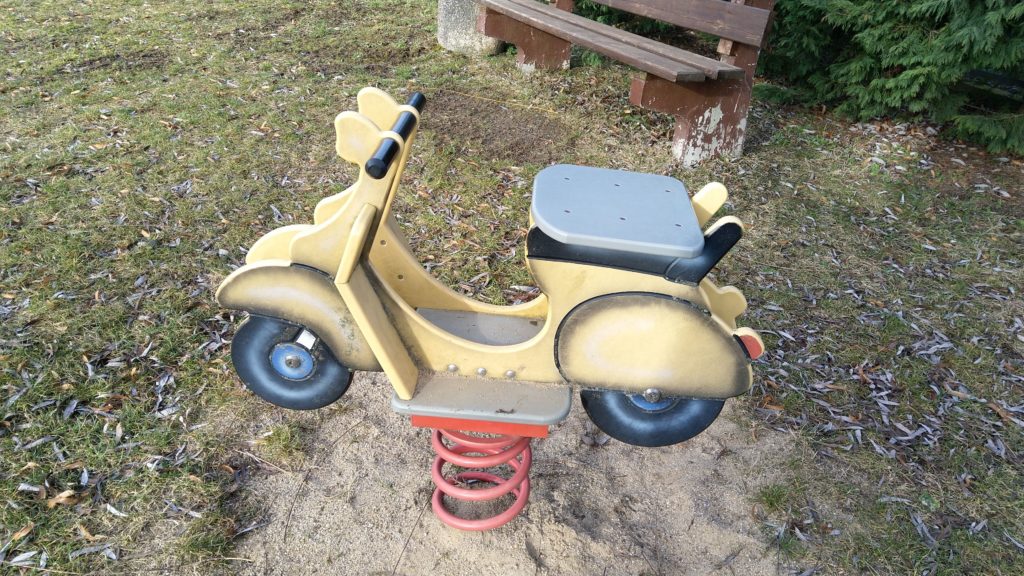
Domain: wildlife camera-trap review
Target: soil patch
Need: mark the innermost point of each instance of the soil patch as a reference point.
(493, 130)
(141, 60)
(338, 15)
(379, 57)
(762, 125)
(612, 509)
(376, 59)
(259, 33)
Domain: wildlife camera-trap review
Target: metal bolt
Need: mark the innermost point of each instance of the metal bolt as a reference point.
(453, 368)
(306, 339)
(510, 374)
(292, 361)
(652, 395)
(481, 371)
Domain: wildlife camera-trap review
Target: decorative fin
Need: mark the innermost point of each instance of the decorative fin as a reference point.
(708, 201)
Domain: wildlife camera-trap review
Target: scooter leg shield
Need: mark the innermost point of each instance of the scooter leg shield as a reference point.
(303, 296)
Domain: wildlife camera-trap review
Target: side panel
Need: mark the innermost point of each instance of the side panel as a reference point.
(709, 200)
(641, 340)
(396, 265)
(388, 347)
(301, 295)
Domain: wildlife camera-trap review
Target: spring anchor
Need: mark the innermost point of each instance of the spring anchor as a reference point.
(479, 453)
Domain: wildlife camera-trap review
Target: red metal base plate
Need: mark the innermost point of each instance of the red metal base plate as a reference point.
(485, 426)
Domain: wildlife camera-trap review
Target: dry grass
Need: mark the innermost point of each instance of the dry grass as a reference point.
(145, 145)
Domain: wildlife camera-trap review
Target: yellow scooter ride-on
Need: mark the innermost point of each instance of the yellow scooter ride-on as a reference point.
(625, 314)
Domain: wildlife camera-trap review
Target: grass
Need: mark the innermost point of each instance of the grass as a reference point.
(147, 144)
(282, 443)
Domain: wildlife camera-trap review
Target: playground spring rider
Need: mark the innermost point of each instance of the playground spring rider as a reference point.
(625, 314)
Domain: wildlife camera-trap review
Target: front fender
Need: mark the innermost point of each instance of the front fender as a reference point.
(278, 289)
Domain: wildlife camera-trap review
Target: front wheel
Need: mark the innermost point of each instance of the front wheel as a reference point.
(632, 419)
(284, 369)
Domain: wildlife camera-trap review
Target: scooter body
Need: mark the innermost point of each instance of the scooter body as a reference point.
(608, 317)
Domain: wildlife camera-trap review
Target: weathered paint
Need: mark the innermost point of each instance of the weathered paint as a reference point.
(534, 48)
(704, 138)
(277, 289)
(711, 116)
(650, 341)
(372, 306)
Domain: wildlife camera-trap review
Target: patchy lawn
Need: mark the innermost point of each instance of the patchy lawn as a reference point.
(146, 145)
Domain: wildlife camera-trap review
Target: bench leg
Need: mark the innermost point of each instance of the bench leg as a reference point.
(711, 117)
(535, 49)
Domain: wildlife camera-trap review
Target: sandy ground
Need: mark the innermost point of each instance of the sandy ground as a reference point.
(603, 510)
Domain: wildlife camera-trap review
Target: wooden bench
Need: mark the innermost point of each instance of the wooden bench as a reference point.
(709, 98)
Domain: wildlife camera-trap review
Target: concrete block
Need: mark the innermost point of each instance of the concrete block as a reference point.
(457, 32)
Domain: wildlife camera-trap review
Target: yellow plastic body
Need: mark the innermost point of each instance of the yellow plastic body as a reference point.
(679, 339)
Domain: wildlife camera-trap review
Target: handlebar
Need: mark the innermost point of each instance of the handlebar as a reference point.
(379, 164)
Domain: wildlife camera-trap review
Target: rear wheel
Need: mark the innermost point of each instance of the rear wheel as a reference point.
(276, 360)
(640, 421)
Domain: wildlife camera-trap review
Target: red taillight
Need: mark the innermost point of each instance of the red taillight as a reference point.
(752, 345)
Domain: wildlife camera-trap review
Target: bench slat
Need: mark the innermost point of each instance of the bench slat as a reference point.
(713, 69)
(744, 24)
(656, 64)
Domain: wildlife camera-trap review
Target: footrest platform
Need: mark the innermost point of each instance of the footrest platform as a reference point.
(492, 400)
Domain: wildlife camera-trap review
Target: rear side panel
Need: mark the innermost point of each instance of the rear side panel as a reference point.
(640, 340)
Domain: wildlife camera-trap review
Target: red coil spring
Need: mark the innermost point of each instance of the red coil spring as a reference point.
(477, 452)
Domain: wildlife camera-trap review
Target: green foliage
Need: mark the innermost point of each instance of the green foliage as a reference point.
(1004, 131)
(879, 58)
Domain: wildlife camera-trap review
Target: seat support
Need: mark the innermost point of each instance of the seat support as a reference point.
(535, 48)
(711, 117)
(719, 239)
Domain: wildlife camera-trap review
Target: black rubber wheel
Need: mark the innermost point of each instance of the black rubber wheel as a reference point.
(280, 371)
(630, 419)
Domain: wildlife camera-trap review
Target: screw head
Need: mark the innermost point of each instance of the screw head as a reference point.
(510, 374)
(292, 361)
(453, 368)
(481, 371)
(652, 395)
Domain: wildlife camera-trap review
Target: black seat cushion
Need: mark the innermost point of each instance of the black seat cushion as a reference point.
(683, 270)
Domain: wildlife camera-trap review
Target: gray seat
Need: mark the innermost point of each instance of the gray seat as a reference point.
(629, 212)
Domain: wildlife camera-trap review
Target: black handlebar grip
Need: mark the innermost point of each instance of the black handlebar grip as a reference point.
(379, 164)
(417, 100)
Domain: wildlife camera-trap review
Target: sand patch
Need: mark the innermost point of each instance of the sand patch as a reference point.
(609, 510)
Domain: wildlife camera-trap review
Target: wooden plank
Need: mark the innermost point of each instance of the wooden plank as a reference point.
(655, 64)
(744, 24)
(711, 68)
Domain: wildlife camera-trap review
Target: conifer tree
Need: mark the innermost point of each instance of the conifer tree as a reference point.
(955, 61)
